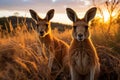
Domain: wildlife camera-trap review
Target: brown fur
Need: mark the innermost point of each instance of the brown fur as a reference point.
(83, 58)
(84, 61)
(56, 49)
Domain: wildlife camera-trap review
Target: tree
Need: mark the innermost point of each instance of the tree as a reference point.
(111, 7)
(16, 13)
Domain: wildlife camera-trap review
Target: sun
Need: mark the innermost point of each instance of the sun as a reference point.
(53, 1)
(106, 16)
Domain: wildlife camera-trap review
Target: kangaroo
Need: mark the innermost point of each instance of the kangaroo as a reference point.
(84, 61)
(56, 49)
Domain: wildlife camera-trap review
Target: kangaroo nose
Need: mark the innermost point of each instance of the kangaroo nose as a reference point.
(80, 35)
(41, 33)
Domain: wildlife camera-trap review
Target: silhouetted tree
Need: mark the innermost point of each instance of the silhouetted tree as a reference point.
(111, 7)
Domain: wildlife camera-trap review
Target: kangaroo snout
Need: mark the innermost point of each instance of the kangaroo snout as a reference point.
(41, 33)
(80, 37)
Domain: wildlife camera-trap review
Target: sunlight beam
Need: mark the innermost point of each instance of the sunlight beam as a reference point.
(106, 16)
(53, 1)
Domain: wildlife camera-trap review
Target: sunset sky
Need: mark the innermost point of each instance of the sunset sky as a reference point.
(9, 7)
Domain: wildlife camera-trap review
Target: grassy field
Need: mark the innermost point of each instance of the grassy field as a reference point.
(23, 58)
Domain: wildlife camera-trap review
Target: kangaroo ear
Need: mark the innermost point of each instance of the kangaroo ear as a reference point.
(49, 15)
(71, 14)
(90, 14)
(34, 15)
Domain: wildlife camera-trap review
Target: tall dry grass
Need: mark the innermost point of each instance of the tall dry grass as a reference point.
(21, 56)
(65, 36)
(101, 37)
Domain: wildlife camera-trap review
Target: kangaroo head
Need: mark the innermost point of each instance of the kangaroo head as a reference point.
(42, 25)
(80, 26)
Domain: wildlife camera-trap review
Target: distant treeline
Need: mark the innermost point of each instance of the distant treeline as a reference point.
(5, 22)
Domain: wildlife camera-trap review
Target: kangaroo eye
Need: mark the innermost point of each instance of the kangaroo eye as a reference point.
(37, 25)
(86, 27)
(74, 27)
(46, 25)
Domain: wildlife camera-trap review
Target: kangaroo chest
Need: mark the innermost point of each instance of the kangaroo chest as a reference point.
(81, 60)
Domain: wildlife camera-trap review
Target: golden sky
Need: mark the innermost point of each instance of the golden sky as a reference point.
(9, 7)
